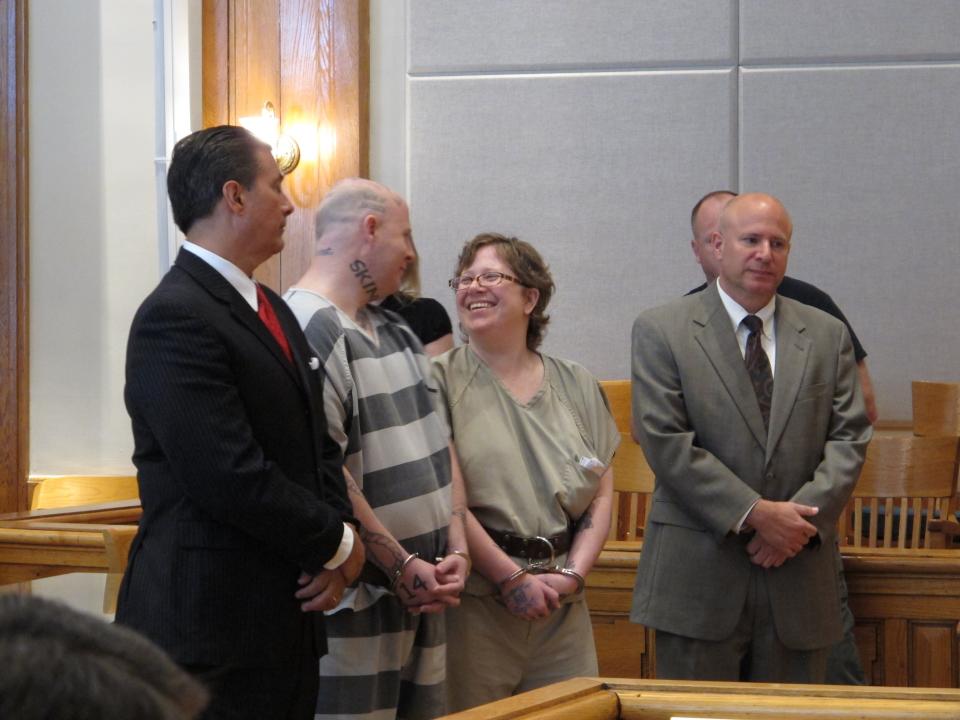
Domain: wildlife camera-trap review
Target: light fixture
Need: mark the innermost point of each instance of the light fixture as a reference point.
(266, 127)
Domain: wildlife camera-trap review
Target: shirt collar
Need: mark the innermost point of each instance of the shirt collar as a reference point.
(737, 313)
(240, 281)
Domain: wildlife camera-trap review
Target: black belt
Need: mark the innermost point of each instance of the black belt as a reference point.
(531, 548)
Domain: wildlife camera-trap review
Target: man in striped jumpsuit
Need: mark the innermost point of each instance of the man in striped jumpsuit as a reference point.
(387, 645)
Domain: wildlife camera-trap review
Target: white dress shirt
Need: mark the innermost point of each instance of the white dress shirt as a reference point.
(242, 283)
(768, 337)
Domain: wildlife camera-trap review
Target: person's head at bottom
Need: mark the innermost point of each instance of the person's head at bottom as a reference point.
(63, 664)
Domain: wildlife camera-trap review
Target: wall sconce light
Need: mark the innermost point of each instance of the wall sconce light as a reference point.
(266, 127)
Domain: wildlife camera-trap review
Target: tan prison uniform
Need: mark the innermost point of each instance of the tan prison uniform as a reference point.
(522, 469)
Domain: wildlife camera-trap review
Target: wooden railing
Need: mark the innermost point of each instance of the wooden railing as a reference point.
(95, 537)
(623, 699)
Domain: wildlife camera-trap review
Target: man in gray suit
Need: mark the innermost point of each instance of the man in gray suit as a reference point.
(748, 408)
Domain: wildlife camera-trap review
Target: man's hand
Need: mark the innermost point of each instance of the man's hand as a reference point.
(420, 590)
(322, 591)
(530, 598)
(352, 566)
(764, 555)
(781, 525)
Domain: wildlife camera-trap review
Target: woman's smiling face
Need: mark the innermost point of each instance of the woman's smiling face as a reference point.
(493, 309)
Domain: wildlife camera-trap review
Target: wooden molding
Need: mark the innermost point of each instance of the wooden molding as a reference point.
(14, 323)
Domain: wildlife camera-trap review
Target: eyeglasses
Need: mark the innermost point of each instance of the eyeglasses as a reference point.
(484, 280)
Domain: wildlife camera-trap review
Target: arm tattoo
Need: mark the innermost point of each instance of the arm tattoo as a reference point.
(378, 541)
(325, 251)
(586, 520)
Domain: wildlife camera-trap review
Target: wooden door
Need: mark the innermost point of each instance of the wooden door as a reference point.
(310, 59)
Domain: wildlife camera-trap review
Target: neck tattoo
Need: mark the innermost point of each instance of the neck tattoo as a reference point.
(360, 271)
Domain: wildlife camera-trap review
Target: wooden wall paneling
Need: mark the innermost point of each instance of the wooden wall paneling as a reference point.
(621, 646)
(352, 87)
(216, 63)
(895, 661)
(306, 44)
(867, 636)
(255, 28)
(14, 321)
(906, 604)
(324, 87)
(930, 642)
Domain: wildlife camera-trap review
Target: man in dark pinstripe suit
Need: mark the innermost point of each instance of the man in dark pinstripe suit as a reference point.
(246, 525)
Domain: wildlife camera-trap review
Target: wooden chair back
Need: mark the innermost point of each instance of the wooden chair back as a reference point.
(907, 483)
(633, 478)
(936, 408)
(73, 490)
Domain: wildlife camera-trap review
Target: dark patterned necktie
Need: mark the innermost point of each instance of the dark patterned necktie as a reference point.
(758, 366)
(269, 317)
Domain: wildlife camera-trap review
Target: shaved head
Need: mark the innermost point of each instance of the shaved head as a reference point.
(351, 200)
(705, 220)
(758, 202)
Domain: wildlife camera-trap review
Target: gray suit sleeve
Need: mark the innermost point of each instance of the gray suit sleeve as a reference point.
(846, 444)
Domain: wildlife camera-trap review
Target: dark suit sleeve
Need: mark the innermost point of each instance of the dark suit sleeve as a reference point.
(831, 308)
(183, 391)
(696, 484)
(846, 445)
(815, 297)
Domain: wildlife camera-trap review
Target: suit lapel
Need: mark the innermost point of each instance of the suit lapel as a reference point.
(301, 351)
(793, 351)
(715, 335)
(217, 285)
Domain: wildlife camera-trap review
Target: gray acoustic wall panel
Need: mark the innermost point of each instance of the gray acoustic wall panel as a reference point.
(867, 159)
(591, 128)
(597, 171)
(501, 35)
(792, 31)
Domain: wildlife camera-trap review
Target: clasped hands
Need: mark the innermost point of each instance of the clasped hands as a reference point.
(781, 531)
(532, 596)
(426, 588)
(324, 590)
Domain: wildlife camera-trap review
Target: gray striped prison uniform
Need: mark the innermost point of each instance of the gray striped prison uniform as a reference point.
(379, 396)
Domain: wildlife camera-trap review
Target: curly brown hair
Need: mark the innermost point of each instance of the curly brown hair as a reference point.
(528, 266)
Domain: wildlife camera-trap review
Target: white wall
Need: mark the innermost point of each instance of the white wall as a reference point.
(93, 237)
(590, 129)
(587, 128)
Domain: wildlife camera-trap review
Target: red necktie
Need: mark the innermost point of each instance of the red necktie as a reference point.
(269, 317)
